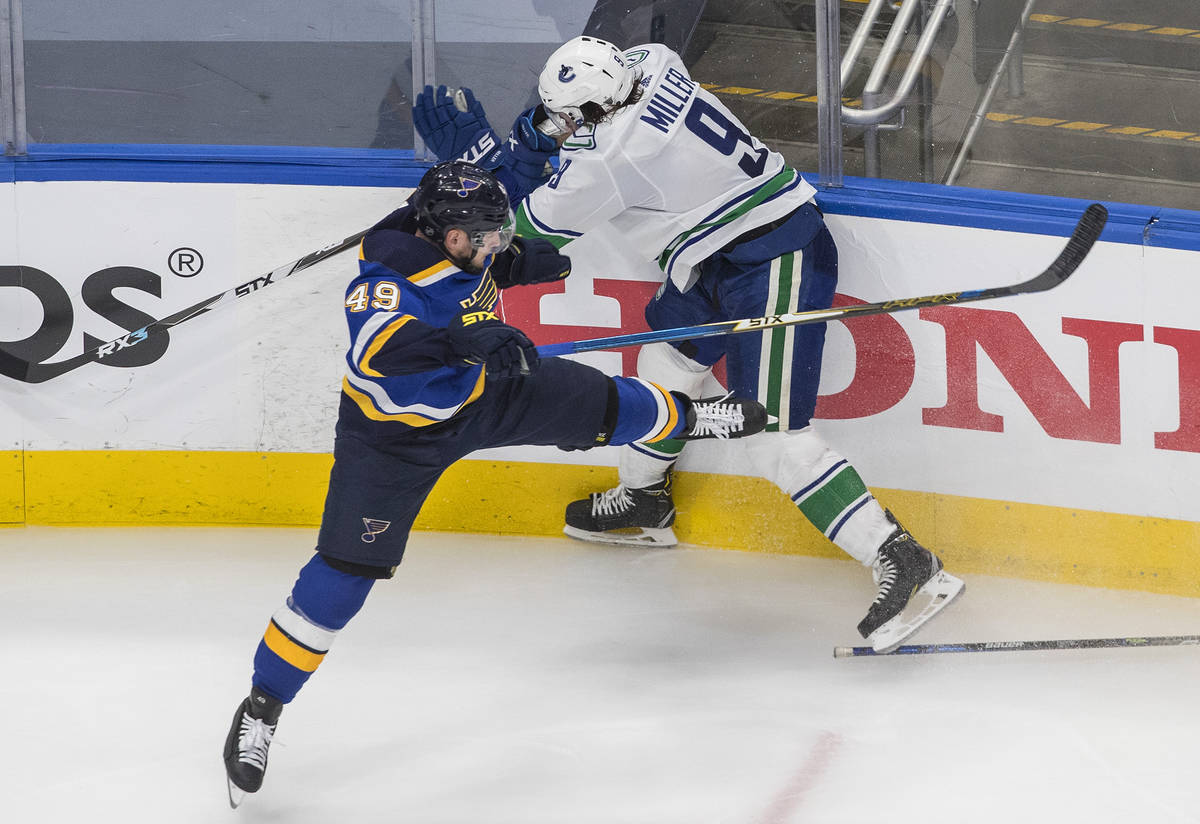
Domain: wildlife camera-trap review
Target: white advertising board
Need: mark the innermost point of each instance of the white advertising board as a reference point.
(1087, 396)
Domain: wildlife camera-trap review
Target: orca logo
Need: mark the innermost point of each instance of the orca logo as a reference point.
(566, 74)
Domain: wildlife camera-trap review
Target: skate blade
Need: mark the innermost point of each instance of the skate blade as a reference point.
(236, 794)
(640, 536)
(933, 596)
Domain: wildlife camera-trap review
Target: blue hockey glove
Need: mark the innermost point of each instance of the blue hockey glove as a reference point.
(455, 134)
(504, 351)
(529, 149)
(529, 260)
(526, 157)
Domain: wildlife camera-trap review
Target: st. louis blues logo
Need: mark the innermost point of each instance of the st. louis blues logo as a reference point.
(566, 74)
(467, 185)
(374, 527)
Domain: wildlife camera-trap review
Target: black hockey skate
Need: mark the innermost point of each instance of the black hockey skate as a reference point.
(247, 744)
(622, 515)
(725, 417)
(913, 588)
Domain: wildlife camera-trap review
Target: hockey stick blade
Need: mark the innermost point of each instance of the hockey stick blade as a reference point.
(1023, 646)
(14, 367)
(1087, 232)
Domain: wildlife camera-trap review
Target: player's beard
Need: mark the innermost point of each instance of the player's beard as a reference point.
(468, 264)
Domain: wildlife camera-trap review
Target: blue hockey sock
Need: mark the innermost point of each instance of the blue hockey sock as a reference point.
(645, 412)
(300, 632)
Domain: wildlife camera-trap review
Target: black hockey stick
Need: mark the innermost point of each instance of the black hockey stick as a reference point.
(1087, 231)
(1024, 646)
(14, 367)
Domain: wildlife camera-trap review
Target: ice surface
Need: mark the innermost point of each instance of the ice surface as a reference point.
(544, 680)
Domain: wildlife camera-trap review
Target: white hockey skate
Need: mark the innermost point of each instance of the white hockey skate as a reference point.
(913, 588)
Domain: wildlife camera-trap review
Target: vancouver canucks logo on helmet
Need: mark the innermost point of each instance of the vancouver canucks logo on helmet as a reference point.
(467, 185)
(566, 74)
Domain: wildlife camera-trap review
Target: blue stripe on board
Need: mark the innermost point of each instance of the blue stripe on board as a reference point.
(1007, 211)
(861, 197)
(216, 164)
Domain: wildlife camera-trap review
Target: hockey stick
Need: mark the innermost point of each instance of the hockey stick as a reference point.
(22, 370)
(1087, 231)
(1024, 646)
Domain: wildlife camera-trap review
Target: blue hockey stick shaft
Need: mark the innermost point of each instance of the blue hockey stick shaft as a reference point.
(1086, 233)
(1024, 646)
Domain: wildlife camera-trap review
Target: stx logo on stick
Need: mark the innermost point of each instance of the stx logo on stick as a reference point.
(254, 285)
(755, 323)
(772, 321)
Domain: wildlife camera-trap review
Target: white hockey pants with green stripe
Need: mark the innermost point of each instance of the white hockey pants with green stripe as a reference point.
(823, 484)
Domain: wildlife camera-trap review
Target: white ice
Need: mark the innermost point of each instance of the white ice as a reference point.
(544, 680)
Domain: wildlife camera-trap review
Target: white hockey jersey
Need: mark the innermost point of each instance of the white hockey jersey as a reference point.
(676, 174)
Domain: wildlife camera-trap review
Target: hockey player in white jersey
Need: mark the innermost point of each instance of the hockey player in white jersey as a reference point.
(738, 234)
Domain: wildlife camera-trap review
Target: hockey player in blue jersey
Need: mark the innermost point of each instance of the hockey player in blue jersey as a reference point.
(737, 233)
(432, 374)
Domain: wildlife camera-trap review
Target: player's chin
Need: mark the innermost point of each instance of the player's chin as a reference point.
(471, 265)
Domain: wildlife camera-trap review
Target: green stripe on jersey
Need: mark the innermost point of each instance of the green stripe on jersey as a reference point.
(525, 228)
(826, 504)
(762, 193)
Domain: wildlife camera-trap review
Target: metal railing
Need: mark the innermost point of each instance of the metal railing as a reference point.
(875, 110)
(1011, 60)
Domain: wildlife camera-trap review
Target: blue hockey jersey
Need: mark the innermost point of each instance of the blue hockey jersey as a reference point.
(400, 367)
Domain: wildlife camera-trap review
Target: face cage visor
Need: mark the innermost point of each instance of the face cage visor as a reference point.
(560, 123)
(494, 241)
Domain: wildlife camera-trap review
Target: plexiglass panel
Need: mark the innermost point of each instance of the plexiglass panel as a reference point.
(304, 72)
(1082, 98)
(1089, 98)
(300, 73)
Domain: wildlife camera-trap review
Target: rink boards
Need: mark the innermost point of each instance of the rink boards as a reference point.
(1052, 436)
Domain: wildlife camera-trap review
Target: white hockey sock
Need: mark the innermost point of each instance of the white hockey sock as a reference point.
(640, 466)
(864, 532)
(825, 488)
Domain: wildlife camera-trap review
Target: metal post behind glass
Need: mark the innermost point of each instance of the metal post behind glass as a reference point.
(829, 94)
(12, 78)
(424, 53)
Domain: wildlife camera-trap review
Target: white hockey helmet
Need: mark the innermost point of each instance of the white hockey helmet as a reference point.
(585, 70)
